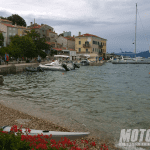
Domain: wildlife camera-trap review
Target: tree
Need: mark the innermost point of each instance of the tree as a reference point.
(40, 43)
(17, 19)
(22, 47)
(3, 17)
(1, 39)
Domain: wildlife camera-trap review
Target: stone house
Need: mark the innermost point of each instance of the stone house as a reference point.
(68, 42)
(7, 27)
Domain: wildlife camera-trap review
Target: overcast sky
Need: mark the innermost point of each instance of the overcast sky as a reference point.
(113, 20)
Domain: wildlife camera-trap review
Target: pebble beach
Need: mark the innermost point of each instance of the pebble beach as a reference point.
(10, 117)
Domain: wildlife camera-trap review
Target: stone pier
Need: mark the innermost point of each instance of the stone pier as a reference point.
(15, 68)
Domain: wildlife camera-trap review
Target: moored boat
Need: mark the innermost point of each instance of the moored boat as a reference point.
(56, 135)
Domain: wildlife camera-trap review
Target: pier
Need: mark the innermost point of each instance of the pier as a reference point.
(15, 68)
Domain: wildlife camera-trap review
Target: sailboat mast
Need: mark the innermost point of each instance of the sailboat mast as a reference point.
(135, 29)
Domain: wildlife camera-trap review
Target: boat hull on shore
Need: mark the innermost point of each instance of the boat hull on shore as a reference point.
(56, 135)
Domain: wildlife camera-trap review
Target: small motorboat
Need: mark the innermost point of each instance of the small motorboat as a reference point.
(85, 63)
(31, 69)
(55, 66)
(56, 135)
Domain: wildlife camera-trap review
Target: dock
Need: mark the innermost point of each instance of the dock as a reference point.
(15, 68)
(136, 62)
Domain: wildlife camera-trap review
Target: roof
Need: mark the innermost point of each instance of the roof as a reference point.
(57, 49)
(70, 38)
(36, 27)
(50, 43)
(6, 20)
(90, 35)
(21, 27)
(72, 50)
(9, 25)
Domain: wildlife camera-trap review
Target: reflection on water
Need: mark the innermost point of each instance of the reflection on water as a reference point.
(102, 99)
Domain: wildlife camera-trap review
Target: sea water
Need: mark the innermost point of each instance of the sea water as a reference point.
(100, 99)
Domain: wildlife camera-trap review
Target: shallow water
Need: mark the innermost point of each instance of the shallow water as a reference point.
(100, 99)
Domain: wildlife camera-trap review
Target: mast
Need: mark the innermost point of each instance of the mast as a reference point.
(135, 29)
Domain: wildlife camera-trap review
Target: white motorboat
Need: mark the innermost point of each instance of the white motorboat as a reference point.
(85, 62)
(55, 66)
(56, 135)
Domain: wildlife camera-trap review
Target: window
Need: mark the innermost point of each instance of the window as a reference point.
(20, 34)
(79, 42)
(14, 29)
(79, 49)
(86, 50)
(9, 28)
(95, 42)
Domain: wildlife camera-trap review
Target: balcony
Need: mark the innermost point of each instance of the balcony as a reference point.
(100, 46)
(86, 45)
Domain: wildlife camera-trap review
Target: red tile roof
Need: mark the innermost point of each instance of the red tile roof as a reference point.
(21, 27)
(36, 27)
(70, 38)
(72, 50)
(9, 25)
(5, 20)
(57, 49)
(90, 35)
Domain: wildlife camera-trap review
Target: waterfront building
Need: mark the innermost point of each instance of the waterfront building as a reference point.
(9, 29)
(90, 44)
(68, 42)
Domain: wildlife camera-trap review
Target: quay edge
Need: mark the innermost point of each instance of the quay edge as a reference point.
(15, 68)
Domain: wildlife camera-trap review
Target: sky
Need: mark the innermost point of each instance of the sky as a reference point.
(113, 20)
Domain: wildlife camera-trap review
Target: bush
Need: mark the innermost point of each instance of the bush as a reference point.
(16, 140)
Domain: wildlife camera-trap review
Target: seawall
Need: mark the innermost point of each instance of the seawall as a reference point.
(15, 68)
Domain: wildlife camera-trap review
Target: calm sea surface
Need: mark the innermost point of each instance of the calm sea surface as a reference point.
(100, 99)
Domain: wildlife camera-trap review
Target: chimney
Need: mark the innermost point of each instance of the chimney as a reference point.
(31, 23)
(79, 33)
(15, 24)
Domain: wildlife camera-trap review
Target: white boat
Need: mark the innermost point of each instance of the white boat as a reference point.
(85, 62)
(56, 135)
(57, 65)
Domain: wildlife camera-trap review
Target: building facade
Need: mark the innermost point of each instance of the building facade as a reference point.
(9, 29)
(88, 43)
(68, 42)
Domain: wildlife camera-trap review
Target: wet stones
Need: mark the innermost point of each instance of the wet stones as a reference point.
(1, 79)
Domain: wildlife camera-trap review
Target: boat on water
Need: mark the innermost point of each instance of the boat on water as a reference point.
(56, 135)
(85, 62)
(31, 69)
(60, 64)
(55, 66)
(136, 60)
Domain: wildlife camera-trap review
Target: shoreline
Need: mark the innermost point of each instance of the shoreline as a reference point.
(11, 116)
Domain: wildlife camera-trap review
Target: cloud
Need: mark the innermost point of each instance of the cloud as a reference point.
(110, 19)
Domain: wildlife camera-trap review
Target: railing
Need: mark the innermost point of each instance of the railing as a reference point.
(100, 46)
(86, 45)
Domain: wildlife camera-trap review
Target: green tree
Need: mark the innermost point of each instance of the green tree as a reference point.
(22, 47)
(17, 19)
(1, 39)
(3, 17)
(40, 43)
